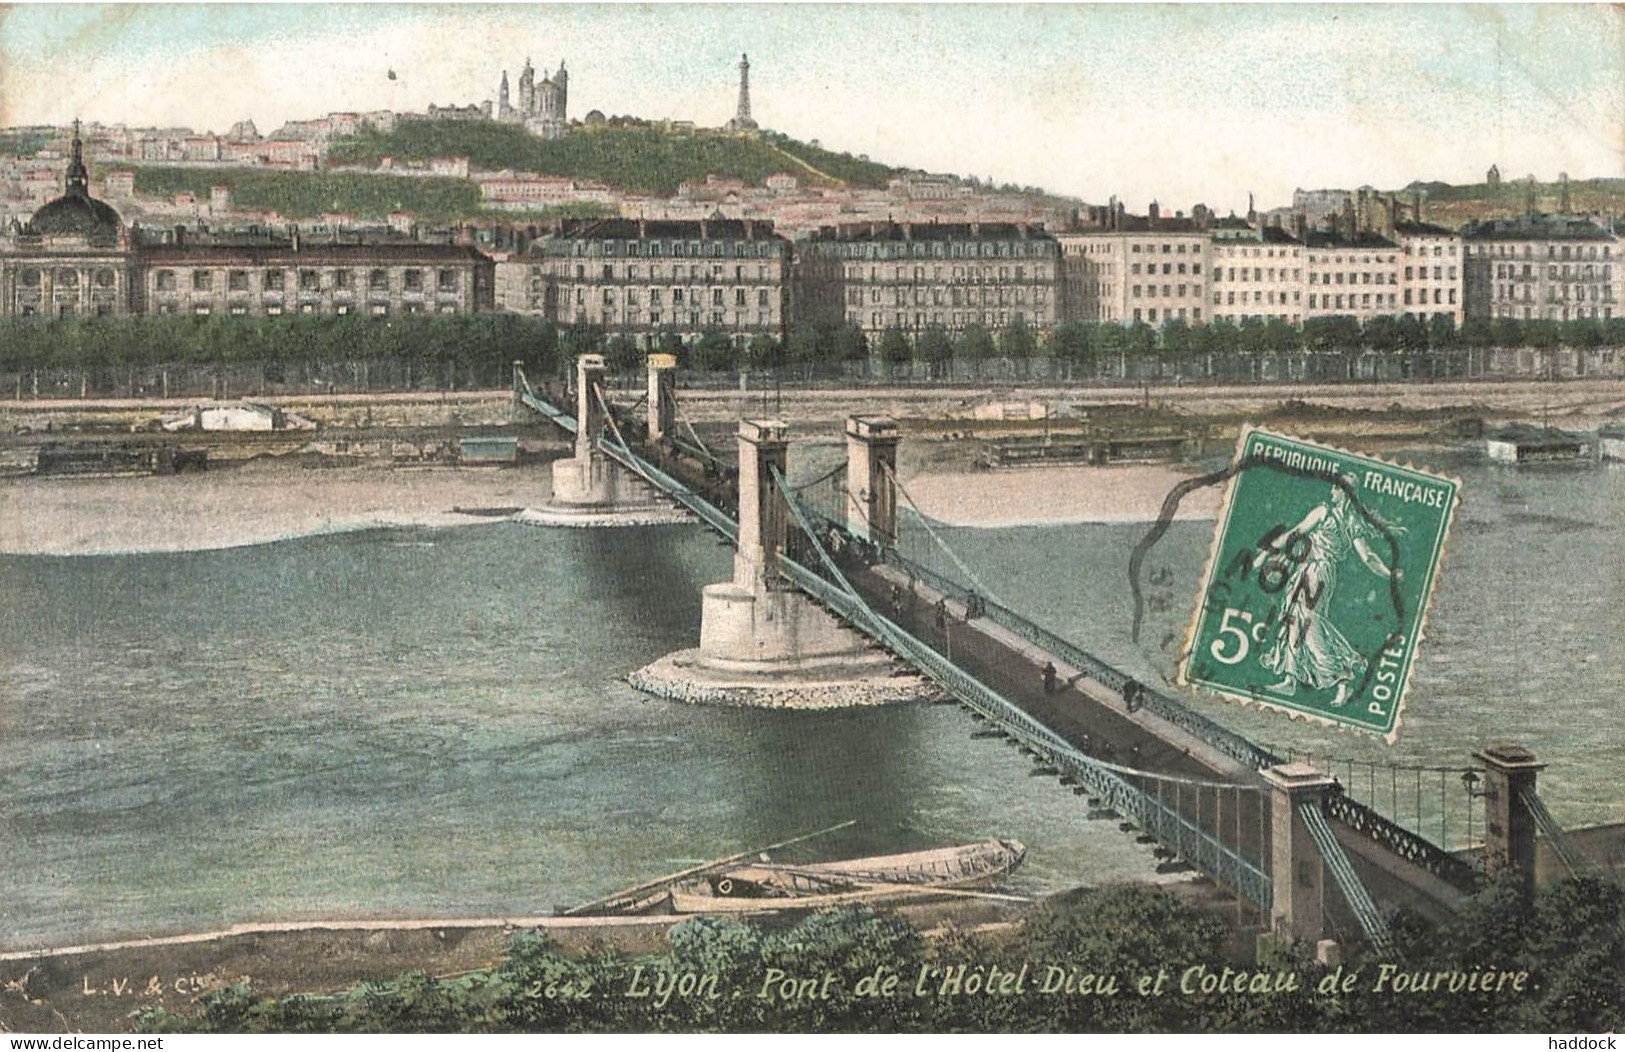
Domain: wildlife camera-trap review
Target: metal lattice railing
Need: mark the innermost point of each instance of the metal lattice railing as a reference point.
(1412, 847)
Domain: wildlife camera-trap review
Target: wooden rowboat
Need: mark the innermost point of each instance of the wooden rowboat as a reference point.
(819, 885)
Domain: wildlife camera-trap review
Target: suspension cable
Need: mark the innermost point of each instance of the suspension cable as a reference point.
(975, 581)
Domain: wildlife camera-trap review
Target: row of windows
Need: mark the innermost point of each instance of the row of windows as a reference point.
(1552, 251)
(1256, 274)
(1257, 253)
(1167, 248)
(1438, 250)
(309, 280)
(954, 320)
(578, 293)
(952, 297)
(63, 277)
(1268, 296)
(1323, 260)
(275, 309)
(1354, 278)
(1363, 300)
(1167, 315)
(1167, 268)
(63, 310)
(1553, 272)
(1556, 293)
(975, 275)
(634, 296)
(1556, 314)
(1422, 296)
(656, 272)
(1422, 273)
(937, 249)
(1168, 290)
(715, 249)
(693, 318)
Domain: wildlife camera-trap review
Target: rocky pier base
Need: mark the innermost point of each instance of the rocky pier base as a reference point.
(684, 676)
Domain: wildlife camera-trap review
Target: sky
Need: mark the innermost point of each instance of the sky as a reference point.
(1174, 103)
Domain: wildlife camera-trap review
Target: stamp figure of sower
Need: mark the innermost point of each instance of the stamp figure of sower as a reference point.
(1322, 566)
(1308, 648)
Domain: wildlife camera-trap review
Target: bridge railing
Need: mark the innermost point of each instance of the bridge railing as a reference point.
(824, 581)
(1137, 696)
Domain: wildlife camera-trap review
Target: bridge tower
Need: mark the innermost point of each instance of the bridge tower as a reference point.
(762, 642)
(589, 488)
(1297, 871)
(871, 479)
(1509, 825)
(662, 396)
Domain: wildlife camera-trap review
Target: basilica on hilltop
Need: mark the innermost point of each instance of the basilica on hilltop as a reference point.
(540, 105)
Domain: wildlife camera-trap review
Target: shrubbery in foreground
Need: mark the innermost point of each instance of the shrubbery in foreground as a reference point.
(1120, 958)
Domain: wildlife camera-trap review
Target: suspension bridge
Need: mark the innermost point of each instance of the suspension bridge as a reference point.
(1306, 854)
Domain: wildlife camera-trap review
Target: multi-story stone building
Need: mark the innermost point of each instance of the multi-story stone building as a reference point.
(915, 276)
(1256, 272)
(642, 277)
(1129, 269)
(272, 278)
(1431, 283)
(1554, 268)
(1354, 275)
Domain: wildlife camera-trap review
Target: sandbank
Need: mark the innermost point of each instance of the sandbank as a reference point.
(256, 504)
(1055, 494)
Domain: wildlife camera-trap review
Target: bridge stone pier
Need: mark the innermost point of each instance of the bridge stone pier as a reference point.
(590, 489)
(762, 642)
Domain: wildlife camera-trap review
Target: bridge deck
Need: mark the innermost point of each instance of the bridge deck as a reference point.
(1091, 716)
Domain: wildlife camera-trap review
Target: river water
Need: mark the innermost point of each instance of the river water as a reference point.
(433, 722)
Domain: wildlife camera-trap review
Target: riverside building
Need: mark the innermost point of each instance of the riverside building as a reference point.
(915, 276)
(642, 277)
(1130, 269)
(1555, 268)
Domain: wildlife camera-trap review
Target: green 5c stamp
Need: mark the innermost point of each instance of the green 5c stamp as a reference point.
(1322, 567)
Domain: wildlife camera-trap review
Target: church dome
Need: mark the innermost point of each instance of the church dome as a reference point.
(76, 212)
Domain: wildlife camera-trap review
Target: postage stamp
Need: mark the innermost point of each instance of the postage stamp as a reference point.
(1316, 591)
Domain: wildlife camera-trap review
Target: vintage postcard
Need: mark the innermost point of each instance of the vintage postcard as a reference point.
(758, 518)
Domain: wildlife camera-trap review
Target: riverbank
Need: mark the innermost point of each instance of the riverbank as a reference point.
(272, 499)
(255, 504)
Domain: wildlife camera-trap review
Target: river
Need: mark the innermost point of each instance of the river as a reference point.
(433, 722)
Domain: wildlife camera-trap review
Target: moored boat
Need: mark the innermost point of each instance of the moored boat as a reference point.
(963, 865)
(819, 885)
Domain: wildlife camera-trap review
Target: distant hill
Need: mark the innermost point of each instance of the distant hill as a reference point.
(1452, 206)
(634, 158)
(304, 195)
(23, 142)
